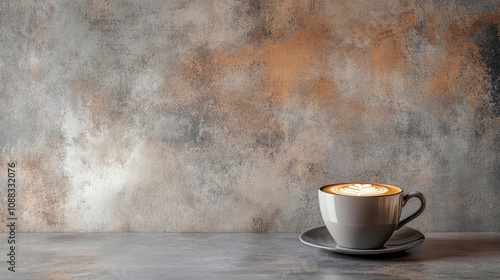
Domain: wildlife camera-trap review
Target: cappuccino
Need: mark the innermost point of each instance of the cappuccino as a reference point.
(364, 215)
(361, 189)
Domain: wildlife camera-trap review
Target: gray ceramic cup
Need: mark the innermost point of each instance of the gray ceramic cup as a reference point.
(365, 222)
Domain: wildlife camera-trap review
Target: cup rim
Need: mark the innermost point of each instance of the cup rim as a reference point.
(373, 183)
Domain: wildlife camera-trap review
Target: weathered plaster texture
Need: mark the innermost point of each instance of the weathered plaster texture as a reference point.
(228, 115)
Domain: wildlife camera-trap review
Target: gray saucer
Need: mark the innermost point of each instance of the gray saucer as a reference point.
(402, 239)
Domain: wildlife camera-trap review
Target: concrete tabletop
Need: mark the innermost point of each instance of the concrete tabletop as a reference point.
(241, 256)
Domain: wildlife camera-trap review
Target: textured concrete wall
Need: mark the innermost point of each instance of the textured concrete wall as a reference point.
(228, 115)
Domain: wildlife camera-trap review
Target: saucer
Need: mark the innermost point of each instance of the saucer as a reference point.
(403, 239)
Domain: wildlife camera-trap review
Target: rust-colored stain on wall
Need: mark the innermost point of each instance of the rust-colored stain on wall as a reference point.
(189, 116)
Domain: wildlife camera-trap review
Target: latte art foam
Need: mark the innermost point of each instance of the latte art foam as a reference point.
(362, 189)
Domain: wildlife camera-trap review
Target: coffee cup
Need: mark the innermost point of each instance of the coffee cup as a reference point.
(364, 215)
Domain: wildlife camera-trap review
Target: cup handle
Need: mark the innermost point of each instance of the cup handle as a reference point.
(407, 197)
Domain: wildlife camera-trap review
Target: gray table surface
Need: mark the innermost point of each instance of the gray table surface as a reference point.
(241, 256)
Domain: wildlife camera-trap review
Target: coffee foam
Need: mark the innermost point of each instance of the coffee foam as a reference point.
(361, 189)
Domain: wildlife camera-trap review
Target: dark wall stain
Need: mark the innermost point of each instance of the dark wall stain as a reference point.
(259, 225)
(489, 42)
